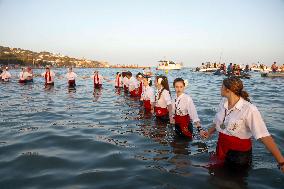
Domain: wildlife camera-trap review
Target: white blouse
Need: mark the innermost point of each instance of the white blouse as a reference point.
(164, 100)
(126, 81)
(242, 121)
(71, 76)
(148, 94)
(6, 75)
(183, 105)
(133, 84)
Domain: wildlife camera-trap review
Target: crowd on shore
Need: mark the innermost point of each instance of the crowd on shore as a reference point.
(237, 119)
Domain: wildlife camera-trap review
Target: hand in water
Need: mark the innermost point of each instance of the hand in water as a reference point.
(204, 134)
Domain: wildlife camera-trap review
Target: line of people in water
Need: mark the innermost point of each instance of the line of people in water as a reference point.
(237, 120)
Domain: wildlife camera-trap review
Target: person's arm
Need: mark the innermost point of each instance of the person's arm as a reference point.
(259, 130)
(274, 150)
(170, 108)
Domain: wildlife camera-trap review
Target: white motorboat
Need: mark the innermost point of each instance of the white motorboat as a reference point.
(169, 65)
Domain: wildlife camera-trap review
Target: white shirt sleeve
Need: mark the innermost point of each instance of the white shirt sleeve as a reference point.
(256, 124)
(192, 110)
(167, 97)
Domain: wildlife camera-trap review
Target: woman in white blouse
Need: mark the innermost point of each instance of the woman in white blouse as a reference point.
(236, 121)
(71, 77)
(163, 102)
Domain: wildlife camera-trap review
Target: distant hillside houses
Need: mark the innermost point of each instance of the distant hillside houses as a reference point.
(21, 57)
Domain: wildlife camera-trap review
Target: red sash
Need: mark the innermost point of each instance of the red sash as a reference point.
(134, 93)
(71, 83)
(226, 143)
(161, 111)
(125, 88)
(147, 105)
(183, 122)
(97, 86)
(118, 83)
(47, 77)
(96, 79)
(140, 88)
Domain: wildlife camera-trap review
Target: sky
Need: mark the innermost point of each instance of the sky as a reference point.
(145, 31)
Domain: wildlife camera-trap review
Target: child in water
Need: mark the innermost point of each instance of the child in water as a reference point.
(184, 111)
(71, 76)
(163, 102)
(118, 80)
(148, 96)
(133, 85)
(139, 78)
(98, 80)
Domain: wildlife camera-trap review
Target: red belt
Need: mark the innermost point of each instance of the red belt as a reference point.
(161, 111)
(147, 105)
(125, 88)
(226, 143)
(71, 82)
(97, 86)
(134, 93)
(140, 89)
(22, 81)
(183, 122)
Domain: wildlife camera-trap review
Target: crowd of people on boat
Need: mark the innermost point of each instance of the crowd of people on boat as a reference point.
(236, 69)
(237, 120)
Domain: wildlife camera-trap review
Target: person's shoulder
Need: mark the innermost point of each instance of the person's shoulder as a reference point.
(249, 106)
(165, 91)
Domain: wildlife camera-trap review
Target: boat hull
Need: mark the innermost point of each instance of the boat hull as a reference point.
(272, 74)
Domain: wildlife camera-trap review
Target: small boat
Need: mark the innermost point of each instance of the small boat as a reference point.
(257, 69)
(219, 72)
(271, 74)
(169, 65)
(206, 69)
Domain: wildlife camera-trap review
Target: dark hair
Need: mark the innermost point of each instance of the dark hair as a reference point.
(124, 74)
(164, 83)
(235, 85)
(129, 74)
(178, 80)
(137, 75)
(147, 77)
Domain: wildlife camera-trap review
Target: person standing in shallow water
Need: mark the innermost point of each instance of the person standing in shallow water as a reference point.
(48, 76)
(148, 96)
(98, 80)
(5, 75)
(71, 76)
(163, 102)
(184, 111)
(236, 121)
